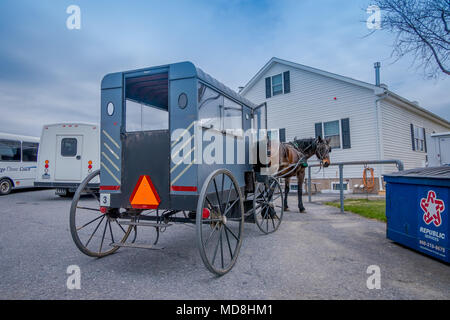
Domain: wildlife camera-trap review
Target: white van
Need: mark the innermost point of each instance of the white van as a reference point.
(67, 154)
(18, 156)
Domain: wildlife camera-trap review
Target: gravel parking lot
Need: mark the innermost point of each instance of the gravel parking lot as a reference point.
(319, 255)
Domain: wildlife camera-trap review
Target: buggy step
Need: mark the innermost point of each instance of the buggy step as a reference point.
(137, 245)
(145, 224)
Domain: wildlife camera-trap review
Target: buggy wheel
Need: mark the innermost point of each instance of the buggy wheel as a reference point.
(92, 231)
(220, 221)
(268, 205)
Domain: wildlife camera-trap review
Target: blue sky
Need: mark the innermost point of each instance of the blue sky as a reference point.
(49, 73)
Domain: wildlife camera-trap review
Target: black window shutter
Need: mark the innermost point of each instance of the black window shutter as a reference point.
(318, 127)
(345, 123)
(268, 88)
(287, 82)
(283, 135)
(424, 140)
(412, 138)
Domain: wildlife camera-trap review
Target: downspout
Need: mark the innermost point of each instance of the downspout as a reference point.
(379, 129)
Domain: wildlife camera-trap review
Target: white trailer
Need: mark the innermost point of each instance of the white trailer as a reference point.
(18, 156)
(67, 154)
(438, 149)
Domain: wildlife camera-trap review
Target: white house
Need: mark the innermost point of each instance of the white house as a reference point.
(363, 120)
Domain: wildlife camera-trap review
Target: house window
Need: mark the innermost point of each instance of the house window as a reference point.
(331, 130)
(335, 186)
(277, 84)
(418, 139)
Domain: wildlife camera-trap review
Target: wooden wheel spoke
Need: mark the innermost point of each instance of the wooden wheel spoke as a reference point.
(229, 245)
(215, 250)
(110, 231)
(87, 208)
(86, 224)
(96, 228)
(211, 234)
(232, 233)
(103, 236)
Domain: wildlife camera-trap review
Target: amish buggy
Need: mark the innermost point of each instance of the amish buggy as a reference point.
(154, 174)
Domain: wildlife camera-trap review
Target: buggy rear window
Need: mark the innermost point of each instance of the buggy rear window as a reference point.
(69, 147)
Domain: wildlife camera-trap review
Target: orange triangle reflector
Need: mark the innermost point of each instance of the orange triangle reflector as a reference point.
(144, 195)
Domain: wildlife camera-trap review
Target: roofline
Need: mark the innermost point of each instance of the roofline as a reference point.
(4, 135)
(72, 123)
(379, 91)
(418, 109)
(309, 69)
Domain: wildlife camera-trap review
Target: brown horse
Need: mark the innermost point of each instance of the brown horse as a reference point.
(301, 150)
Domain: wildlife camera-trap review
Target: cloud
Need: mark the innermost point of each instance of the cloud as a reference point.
(52, 74)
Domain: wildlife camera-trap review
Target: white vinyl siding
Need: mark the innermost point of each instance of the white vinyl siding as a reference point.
(396, 135)
(312, 100)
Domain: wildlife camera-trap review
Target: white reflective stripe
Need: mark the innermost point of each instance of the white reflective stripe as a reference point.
(184, 132)
(109, 171)
(181, 173)
(110, 150)
(110, 161)
(184, 144)
(110, 138)
(181, 161)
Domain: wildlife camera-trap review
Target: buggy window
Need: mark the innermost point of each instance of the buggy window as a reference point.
(9, 150)
(69, 147)
(29, 151)
(210, 104)
(232, 115)
(147, 103)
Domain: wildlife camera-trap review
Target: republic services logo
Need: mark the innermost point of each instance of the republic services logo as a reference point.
(432, 208)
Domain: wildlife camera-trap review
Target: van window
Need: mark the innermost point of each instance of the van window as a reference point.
(9, 150)
(69, 147)
(29, 151)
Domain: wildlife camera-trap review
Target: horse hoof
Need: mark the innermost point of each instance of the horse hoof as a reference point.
(286, 209)
(303, 210)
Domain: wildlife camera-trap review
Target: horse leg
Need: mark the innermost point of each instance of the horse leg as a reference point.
(286, 193)
(300, 179)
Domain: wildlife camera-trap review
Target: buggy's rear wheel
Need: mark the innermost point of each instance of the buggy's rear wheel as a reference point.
(220, 221)
(268, 205)
(92, 231)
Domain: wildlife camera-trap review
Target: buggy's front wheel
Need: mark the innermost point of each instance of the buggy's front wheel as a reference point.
(268, 205)
(93, 231)
(220, 221)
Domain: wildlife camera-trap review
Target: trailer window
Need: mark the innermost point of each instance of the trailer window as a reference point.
(69, 147)
(9, 150)
(29, 151)
(147, 103)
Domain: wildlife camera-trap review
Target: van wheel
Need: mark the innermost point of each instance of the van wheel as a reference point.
(5, 186)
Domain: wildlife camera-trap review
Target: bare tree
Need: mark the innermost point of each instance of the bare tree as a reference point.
(422, 30)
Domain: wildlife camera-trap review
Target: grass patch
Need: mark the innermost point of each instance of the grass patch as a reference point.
(373, 209)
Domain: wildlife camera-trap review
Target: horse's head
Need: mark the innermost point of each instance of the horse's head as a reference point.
(323, 150)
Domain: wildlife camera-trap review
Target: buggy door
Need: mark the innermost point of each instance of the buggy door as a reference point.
(146, 140)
